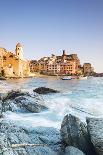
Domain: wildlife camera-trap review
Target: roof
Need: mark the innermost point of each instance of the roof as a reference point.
(19, 45)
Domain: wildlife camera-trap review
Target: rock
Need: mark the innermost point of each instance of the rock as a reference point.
(95, 130)
(34, 151)
(44, 90)
(2, 78)
(70, 150)
(29, 104)
(8, 151)
(13, 94)
(24, 141)
(0, 108)
(74, 133)
(5, 145)
(3, 142)
(18, 101)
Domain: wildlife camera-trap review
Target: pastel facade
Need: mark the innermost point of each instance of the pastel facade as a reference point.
(87, 68)
(53, 68)
(14, 64)
(65, 64)
(68, 67)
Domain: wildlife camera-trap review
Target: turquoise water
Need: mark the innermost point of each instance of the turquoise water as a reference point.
(83, 98)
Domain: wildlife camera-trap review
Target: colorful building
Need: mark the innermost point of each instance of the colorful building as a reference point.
(13, 64)
(87, 69)
(64, 64)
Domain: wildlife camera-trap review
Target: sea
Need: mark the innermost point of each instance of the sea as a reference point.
(80, 97)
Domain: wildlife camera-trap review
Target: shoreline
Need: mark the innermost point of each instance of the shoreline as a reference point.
(40, 76)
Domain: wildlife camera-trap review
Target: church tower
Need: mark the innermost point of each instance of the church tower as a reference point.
(64, 56)
(19, 51)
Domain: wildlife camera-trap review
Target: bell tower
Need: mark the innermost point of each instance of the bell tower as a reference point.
(19, 51)
(64, 56)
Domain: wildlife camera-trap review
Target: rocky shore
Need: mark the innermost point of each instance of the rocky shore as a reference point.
(74, 137)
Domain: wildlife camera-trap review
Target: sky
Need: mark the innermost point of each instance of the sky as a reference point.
(46, 27)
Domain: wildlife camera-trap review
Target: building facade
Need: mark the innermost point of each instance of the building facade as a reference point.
(87, 69)
(64, 64)
(13, 64)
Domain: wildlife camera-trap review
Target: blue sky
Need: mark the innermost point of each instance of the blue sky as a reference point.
(49, 26)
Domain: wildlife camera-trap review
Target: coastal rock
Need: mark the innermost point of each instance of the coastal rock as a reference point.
(5, 145)
(17, 101)
(3, 142)
(28, 104)
(31, 151)
(95, 130)
(44, 90)
(21, 140)
(70, 150)
(2, 78)
(0, 108)
(13, 94)
(74, 133)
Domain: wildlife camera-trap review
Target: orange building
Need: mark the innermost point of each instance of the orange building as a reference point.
(65, 64)
(70, 64)
(68, 67)
(14, 64)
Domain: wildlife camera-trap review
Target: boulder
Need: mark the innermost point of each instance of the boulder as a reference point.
(34, 151)
(44, 90)
(0, 108)
(5, 145)
(23, 141)
(17, 101)
(74, 133)
(13, 94)
(29, 104)
(70, 150)
(95, 130)
(2, 78)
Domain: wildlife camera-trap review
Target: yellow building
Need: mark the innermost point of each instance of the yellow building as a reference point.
(14, 64)
(87, 68)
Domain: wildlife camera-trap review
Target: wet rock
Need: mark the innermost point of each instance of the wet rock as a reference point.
(5, 145)
(31, 151)
(2, 78)
(24, 141)
(1, 94)
(70, 150)
(74, 133)
(22, 102)
(95, 130)
(3, 142)
(13, 94)
(0, 108)
(8, 151)
(29, 104)
(44, 90)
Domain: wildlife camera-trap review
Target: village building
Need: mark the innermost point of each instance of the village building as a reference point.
(69, 64)
(64, 64)
(87, 68)
(14, 64)
(34, 66)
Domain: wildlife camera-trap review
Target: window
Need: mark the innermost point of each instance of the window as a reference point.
(11, 56)
(4, 57)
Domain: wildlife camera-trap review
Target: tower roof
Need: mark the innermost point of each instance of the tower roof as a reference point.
(18, 45)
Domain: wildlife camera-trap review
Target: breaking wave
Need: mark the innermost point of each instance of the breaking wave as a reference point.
(80, 97)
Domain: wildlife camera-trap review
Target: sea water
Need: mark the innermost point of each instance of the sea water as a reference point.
(82, 98)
